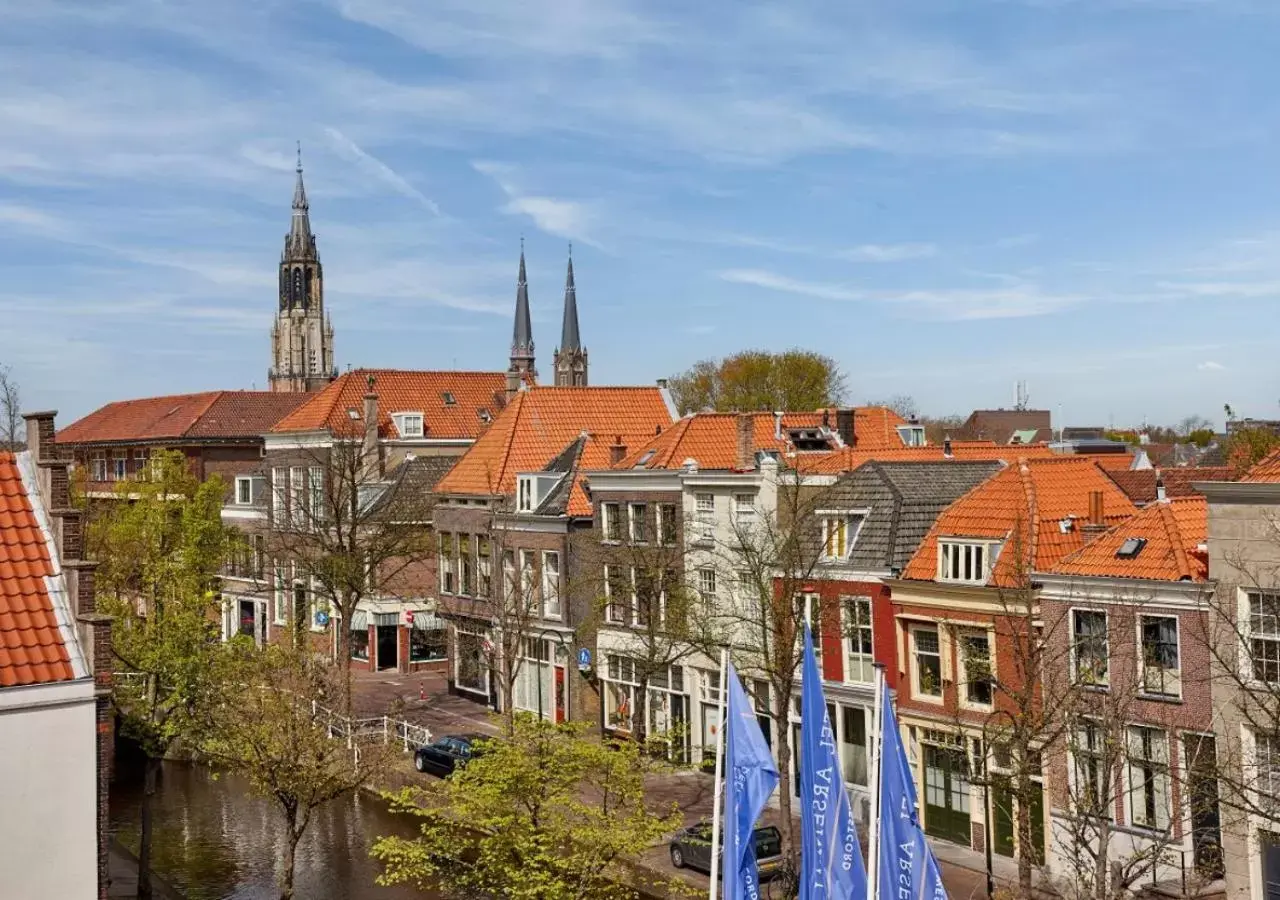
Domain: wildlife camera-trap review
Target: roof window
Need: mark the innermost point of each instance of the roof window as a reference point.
(485, 416)
(1131, 548)
(352, 413)
(447, 397)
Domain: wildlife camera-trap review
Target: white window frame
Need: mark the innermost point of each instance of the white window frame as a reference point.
(524, 493)
(551, 607)
(297, 486)
(914, 666)
(406, 422)
(1172, 677)
(747, 594)
(1163, 785)
(707, 587)
(119, 467)
(636, 522)
(528, 562)
(315, 494)
(280, 497)
(961, 555)
(1103, 683)
(618, 674)
(963, 654)
(912, 435)
(609, 614)
(244, 490)
(1264, 762)
(661, 511)
(1253, 637)
(834, 522)
(98, 466)
(279, 612)
(448, 552)
(744, 509)
(1079, 752)
(705, 515)
(611, 522)
(864, 661)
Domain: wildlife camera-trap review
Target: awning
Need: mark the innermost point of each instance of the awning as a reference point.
(360, 620)
(386, 618)
(428, 621)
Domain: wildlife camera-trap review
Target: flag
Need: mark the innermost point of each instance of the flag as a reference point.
(907, 869)
(831, 866)
(751, 777)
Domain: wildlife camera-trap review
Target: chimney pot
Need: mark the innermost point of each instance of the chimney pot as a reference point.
(513, 384)
(777, 425)
(662, 383)
(1097, 512)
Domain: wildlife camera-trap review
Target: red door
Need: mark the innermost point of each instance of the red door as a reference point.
(562, 702)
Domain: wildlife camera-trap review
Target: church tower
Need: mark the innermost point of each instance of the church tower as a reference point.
(522, 359)
(302, 337)
(571, 356)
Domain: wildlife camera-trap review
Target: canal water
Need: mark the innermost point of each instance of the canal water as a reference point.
(216, 840)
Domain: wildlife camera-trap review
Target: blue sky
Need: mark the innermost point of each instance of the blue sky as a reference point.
(944, 195)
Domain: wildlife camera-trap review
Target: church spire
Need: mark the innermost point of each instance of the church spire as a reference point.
(301, 242)
(522, 358)
(571, 356)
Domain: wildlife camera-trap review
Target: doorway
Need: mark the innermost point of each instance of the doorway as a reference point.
(388, 638)
(946, 794)
(1201, 754)
(562, 698)
(1003, 823)
(1270, 865)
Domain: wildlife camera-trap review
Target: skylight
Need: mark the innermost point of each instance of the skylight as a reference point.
(352, 414)
(448, 398)
(1131, 548)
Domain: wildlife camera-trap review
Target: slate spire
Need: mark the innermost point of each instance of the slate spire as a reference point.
(522, 357)
(570, 356)
(301, 242)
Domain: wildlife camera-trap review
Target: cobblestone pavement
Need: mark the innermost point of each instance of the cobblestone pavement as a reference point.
(425, 700)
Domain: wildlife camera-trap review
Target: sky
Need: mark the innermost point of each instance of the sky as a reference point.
(945, 196)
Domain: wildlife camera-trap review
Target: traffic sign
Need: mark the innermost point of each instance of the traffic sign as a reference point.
(322, 618)
(584, 659)
(408, 617)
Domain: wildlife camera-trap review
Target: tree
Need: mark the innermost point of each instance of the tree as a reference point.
(1193, 423)
(938, 428)
(541, 815)
(160, 543)
(1248, 446)
(350, 532)
(12, 435)
(903, 404)
(755, 380)
(264, 724)
(1201, 437)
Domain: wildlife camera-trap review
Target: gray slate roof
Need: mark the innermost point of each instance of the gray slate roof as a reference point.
(904, 499)
(556, 503)
(407, 496)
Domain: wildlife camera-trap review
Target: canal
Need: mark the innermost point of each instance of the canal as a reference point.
(215, 840)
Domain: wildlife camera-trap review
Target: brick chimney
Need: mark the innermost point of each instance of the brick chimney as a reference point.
(946, 447)
(617, 450)
(513, 384)
(369, 450)
(845, 428)
(744, 445)
(1097, 514)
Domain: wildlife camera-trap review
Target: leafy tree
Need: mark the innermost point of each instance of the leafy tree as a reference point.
(543, 815)
(264, 725)
(160, 543)
(1201, 437)
(1247, 446)
(754, 380)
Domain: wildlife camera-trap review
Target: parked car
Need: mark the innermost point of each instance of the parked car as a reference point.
(448, 753)
(692, 848)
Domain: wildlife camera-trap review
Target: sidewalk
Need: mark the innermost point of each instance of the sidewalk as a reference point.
(424, 700)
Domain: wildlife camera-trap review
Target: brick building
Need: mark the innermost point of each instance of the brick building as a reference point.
(55, 681)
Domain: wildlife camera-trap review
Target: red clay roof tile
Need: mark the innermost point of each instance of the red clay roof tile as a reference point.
(1175, 532)
(212, 414)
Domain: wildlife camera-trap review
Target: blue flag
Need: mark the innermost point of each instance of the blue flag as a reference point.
(907, 869)
(750, 777)
(831, 866)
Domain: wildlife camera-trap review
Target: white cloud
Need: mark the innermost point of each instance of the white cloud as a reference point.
(1211, 366)
(563, 218)
(350, 150)
(889, 252)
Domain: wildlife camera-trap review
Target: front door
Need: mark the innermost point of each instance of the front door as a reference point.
(248, 618)
(1003, 823)
(562, 699)
(1202, 788)
(1270, 865)
(946, 794)
(388, 640)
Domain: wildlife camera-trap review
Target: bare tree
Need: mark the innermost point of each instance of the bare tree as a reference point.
(903, 404)
(12, 427)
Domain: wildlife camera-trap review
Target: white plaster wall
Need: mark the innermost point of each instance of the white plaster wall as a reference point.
(48, 800)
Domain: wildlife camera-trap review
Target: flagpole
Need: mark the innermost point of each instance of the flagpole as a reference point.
(719, 788)
(877, 750)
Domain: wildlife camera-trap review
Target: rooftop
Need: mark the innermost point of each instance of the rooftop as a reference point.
(1164, 542)
(846, 460)
(211, 415)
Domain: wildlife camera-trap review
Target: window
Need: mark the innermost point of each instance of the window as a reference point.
(98, 467)
(611, 524)
(120, 468)
(466, 564)
(838, 534)
(1148, 778)
(1092, 794)
(620, 692)
(446, 562)
(297, 479)
(853, 745)
(912, 435)
(409, 425)
(279, 497)
(1089, 646)
(744, 508)
(528, 579)
(1266, 760)
(279, 612)
(976, 650)
(427, 638)
(928, 662)
(510, 584)
(315, 493)
(1264, 636)
(617, 599)
(748, 596)
(707, 585)
(359, 628)
(638, 514)
(706, 515)
(860, 657)
(244, 490)
(551, 584)
(259, 555)
(524, 493)
(485, 567)
(964, 562)
(651, 598)
(471, 662)
(667, 523)
(140, 464)
(1160, 668)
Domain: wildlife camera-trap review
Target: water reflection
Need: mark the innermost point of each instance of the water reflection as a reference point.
(215, 840)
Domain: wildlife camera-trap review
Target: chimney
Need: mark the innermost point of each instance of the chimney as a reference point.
(513, 384)
(40, 435)
(617, 450)
(662, 384)
(946, 447)
(1160, 492)
(369, 450)
(844, 427)
(777, 425)
(1097, 521)
(744, 448)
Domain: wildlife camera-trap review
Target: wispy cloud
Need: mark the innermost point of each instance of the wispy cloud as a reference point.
(886, 253)
(1211, 366)
(349, 149)
(563, 218)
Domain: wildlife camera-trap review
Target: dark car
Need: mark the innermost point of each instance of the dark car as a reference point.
(692, 848)
(448, 753)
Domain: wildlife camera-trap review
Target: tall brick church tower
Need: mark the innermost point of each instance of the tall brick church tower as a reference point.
(302, 337)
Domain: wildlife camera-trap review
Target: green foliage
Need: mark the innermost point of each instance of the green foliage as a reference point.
(1201, 437)
(754, 380)
(1248, 446)
(160, 544)
(543, 815)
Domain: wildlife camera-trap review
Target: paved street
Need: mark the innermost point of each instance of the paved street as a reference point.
(424, 700)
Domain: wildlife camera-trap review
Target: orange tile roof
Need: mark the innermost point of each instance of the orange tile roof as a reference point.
(712, 438)
(403, 391)
(541, 421)
(1178, 481)
(1267, 470)
(846, 460)
(211, 415)
(31, 644)
(1023, 506)
(1174, 530)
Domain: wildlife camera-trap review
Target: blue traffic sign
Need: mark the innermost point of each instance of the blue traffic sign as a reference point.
(322, 618)
(584, 658)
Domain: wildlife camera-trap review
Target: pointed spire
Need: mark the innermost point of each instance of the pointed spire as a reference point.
(569, 339)
(300, 238)
(522, 332)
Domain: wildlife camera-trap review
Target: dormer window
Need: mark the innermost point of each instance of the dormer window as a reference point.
(965, 562)
(485, 416)
(524, 493)
(839, 533)
(408, 424)
(532, 489)
(912, 435)
(448, 398)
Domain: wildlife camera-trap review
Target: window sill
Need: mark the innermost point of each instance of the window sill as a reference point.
(1160, 698)
(1094, 688)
